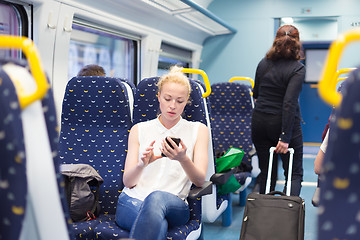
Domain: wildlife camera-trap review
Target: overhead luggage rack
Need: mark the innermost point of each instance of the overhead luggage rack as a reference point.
(193, 14)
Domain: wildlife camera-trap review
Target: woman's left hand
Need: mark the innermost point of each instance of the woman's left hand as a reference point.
(177, 153)
(281, 147)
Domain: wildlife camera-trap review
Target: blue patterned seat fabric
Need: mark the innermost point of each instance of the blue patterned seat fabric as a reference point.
(231, 109)
(95, 123)
(339, 193)
(13, 182)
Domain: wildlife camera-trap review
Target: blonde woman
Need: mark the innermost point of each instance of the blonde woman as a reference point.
(156, 187)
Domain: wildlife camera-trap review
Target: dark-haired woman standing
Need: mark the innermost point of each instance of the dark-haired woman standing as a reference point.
(276, 117)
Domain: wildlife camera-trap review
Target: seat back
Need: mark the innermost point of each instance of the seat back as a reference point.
(13, 180)
(339, 190)
(42, 220)
(231, 109)
(95, 123)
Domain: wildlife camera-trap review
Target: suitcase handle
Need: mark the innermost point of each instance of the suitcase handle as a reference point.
(271, 150)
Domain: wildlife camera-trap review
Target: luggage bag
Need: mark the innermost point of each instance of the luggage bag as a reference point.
(272, 217)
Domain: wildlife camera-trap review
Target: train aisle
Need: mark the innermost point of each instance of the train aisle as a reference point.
(215, 231)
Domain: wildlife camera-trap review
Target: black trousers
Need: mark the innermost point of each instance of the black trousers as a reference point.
(265, 133)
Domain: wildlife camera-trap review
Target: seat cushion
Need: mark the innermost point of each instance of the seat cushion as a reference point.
(109, 230)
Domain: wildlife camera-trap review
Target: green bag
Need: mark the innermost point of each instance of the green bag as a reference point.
(230, 186)
(232, 158)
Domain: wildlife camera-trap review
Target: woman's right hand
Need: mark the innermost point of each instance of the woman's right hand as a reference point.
(281, 147)
(148, 156)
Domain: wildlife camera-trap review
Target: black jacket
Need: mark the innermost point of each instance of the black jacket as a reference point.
(277, 88)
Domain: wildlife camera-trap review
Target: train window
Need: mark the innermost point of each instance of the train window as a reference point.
(171, 55)
(13, 21)
(94, 45)
(315, 59)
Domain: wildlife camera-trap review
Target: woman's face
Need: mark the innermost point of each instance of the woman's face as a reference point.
(172, 99)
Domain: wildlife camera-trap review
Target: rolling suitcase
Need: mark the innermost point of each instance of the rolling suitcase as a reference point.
(274, 215)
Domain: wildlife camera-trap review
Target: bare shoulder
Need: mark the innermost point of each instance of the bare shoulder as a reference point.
(203, 127)
(134, 127)
(134, 130)
(203, 130)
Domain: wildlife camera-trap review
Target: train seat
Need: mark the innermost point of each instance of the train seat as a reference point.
(339, 192)
(231, 109)
(35, 124)
(95, 123)
(13, 188)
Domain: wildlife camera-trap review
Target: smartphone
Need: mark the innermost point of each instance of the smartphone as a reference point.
(176, 140)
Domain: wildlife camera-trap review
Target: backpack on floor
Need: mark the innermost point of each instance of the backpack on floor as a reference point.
(82, 184)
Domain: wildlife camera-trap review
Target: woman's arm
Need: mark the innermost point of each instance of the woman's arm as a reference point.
(197, 169)
(133, 165)
(290, 102)
(321, 154)
(318, 161)
(132, 169)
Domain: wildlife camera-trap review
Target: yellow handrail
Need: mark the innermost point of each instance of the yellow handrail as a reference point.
(204, 76)
(244, 79)
(343, 71)
(327, 84)
(31, 53)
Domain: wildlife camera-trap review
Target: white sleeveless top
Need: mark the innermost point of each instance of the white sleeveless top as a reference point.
(164, 174)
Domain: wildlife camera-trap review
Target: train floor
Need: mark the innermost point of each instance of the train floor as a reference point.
(215, 231)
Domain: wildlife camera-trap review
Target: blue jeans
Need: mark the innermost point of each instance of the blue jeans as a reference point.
(150, 219)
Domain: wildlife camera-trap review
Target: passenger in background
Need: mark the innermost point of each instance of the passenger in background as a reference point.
(317, 167)
(92, 70)
(276, 116)
(156, 187)
(321, 153)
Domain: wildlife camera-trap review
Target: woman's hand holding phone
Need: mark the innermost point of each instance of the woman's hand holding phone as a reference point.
(170, 147)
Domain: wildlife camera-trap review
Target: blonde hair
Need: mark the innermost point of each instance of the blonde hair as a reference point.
(175, 75)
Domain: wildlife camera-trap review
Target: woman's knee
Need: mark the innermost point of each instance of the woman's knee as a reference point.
(156, 199)
(126, 211)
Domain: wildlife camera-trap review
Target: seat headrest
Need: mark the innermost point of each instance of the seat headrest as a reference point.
(96, 101)
(230, 98)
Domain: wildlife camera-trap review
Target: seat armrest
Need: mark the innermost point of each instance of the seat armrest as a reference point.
(252, 152)
(221, 178)
(201, 191)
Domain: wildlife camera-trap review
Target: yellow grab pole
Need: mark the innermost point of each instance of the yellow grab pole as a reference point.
(244, 79)
(204, 76)
(31, 53)
(328, 80)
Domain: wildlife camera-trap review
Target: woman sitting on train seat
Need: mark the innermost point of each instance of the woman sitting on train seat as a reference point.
(156, 187)
(276, 117)
(92, 70)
